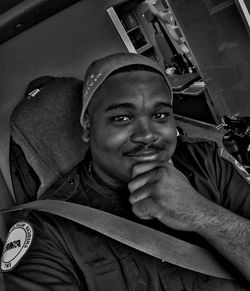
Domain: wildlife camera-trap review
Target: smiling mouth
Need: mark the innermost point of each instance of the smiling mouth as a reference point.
(145, 155)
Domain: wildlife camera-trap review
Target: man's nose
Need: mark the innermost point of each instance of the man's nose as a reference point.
(144, 132)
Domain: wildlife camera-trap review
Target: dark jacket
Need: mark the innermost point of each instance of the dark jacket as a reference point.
(67, 256)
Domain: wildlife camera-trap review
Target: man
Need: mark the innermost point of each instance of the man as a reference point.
(139, 169)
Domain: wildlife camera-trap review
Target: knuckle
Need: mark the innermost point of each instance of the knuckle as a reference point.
(131, 187)
(136, 196)
(136, 210)
(143, 206)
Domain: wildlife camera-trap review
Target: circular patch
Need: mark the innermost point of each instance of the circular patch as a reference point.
(18, 241)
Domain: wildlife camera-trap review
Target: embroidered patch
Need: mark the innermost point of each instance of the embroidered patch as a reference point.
(18, 242)
(241, 170)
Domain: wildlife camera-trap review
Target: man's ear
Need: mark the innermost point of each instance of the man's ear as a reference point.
(86, 128)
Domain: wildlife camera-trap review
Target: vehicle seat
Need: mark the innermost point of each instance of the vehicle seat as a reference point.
(46, 133)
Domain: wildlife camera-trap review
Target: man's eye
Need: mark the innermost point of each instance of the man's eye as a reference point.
(160, 115)
(120, 118)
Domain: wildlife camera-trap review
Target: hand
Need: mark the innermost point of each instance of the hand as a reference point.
(164, 193)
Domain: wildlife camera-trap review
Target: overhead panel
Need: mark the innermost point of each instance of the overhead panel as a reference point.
(18, 16)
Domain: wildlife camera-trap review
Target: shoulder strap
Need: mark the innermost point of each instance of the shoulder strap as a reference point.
(147, 240)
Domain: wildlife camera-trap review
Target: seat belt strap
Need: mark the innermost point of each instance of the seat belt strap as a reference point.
(145, 239)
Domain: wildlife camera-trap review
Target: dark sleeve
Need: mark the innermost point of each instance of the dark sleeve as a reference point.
(1, 282)
(233, 182)
(47, 265)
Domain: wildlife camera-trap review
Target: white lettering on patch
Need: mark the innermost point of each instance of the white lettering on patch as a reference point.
(18, 241)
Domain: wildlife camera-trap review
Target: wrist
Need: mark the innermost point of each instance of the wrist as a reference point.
(201, 215)
(191, 215)
(208, 219)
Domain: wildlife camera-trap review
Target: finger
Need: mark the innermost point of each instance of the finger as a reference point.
(137, 183)
(142, 193)
(145, 209)
(142, 168)
(142, 179)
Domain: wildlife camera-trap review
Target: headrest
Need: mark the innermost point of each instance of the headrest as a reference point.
(45, 124)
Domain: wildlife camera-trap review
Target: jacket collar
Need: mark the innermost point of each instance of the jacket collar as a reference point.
(65, 187)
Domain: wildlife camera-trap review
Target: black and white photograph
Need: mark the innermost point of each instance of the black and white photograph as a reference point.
(124, 145)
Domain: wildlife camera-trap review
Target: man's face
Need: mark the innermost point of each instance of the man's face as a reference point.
(131, 122)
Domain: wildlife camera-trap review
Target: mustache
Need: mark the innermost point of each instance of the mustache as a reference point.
(141, 148)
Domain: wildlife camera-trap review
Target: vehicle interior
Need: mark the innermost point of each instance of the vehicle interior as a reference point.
(46, 46)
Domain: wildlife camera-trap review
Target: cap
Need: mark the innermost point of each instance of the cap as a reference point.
(100, 69)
